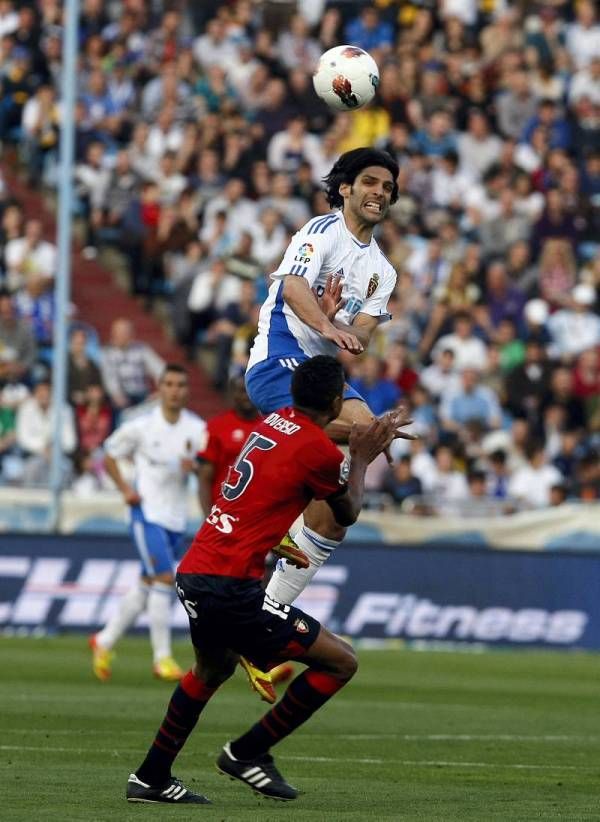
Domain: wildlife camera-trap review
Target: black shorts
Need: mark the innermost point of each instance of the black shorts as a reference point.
(227, 612)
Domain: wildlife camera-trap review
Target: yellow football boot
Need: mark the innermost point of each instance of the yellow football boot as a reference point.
(101, 660)
(260, 681)
(167, 670)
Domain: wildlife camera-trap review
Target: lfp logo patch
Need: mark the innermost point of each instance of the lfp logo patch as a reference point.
(304, 254)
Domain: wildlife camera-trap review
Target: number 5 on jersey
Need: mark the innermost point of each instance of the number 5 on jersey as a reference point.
(241, 473)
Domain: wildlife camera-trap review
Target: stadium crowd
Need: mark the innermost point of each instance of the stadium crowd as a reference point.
(200, 149)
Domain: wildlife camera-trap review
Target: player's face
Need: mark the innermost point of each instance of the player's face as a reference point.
(173, 391)
(368, 199)
(240, 399)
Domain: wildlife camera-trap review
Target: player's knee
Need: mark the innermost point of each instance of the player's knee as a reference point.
(346, 662)
(212, 676)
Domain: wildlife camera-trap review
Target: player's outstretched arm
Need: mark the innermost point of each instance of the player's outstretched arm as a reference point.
(298, 295)
(366, 443)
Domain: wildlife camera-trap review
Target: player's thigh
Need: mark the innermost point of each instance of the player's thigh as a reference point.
(272, 632)
(153, 546)
(269, 383)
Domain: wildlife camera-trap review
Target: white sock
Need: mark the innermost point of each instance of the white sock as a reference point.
(130, 607)
(287, 581)
(159, 617)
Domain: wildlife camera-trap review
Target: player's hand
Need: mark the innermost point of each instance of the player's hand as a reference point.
(400, 417)
(187, 465)
(330, 302)
(131, 496)
(367, 442)
(343, 340)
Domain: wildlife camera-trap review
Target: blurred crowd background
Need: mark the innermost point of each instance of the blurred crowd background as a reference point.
(200, 149)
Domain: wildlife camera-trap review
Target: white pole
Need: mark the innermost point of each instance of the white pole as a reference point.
(62, 287)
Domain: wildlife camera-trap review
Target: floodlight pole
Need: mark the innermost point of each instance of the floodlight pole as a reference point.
(62, 285)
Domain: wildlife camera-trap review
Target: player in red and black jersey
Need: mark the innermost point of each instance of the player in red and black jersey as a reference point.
(286, 461)
(227, 433)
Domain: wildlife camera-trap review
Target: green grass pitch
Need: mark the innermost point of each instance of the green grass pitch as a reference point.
(416, 736)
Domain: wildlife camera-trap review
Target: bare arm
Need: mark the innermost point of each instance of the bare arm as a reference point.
(130, 495)
(363, 327)
(298, 295)
(206, 474)
(365, 444)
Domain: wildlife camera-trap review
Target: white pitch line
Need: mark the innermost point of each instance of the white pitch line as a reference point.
(425, 763)
(358, 736)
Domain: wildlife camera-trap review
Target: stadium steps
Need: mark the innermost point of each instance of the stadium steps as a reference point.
(100, 298)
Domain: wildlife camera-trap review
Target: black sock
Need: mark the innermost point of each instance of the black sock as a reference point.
(186, 705)
(306, 694)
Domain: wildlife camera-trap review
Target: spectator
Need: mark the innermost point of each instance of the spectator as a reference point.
(380, 394)
(34, 431)
(583, 36)
(502, 300)
(517, 105)
(557, 272)
(478, 147)
(29, 255)
(472, 401)
(469, 351)
(445, 483)
(17, 343)
(369, 32)
(297, 48)
(269, 238)
(532, 483)
(34, 304)
(400, 483)
(561, 395)
(40, 132)
(288, 149)
(82, 371)
(457, 295)
(440, 378)
(575, 328)
(94, 419)
(129, 368)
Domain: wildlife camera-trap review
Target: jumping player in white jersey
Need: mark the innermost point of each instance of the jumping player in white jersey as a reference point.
(163, 444)
(330, 292)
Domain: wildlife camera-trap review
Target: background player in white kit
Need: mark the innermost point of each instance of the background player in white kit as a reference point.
(163, 444)
(330, 292)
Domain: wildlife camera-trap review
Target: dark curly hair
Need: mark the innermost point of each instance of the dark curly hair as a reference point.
(317, 382)
(348, 167)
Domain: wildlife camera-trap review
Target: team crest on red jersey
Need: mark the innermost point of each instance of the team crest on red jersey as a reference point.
(301, 626)
(373, 284)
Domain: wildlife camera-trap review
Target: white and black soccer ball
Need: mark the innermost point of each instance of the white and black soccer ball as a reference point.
(346, 78)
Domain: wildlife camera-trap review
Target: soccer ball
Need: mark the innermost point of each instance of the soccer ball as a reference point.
(346, 78)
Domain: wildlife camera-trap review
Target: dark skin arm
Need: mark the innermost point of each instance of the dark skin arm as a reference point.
(205, 473)
(365, 445)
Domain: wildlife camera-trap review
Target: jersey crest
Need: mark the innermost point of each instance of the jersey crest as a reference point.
(305, 253)
(373, 284)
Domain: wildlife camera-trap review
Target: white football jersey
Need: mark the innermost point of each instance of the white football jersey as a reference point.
(322, 247)
(157, 448)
